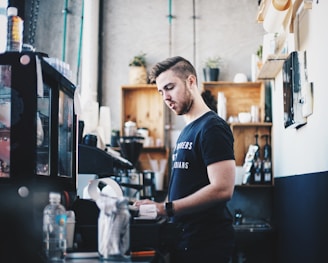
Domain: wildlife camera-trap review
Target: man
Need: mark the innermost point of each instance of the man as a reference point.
(203, 169)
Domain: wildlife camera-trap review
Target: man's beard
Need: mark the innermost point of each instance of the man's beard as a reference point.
(187, 104)
(185, 107)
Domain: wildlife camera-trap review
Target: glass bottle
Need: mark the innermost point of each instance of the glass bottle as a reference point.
(257, 164)
(267, 170)
(15, 30)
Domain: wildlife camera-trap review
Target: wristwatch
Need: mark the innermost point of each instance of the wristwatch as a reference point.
(169, 209)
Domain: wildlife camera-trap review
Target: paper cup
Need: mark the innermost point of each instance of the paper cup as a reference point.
(70, 228)
(159, 180)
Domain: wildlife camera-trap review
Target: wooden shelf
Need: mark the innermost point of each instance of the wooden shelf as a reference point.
(272, 66)
(250, 124)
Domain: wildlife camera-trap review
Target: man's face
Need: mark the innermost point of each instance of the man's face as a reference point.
(175, 92)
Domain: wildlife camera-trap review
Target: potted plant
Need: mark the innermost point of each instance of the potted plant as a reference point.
(138, 70)
(212, 68)
(259, 54)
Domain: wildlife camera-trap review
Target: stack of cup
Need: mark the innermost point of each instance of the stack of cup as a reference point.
(158, 166)
(255, 114)
(70, 228)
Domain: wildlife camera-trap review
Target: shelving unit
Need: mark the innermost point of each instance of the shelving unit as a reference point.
(240, 97)
(244, 135)
(143, 104)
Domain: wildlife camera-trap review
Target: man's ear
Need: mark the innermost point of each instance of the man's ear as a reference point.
(192, 80)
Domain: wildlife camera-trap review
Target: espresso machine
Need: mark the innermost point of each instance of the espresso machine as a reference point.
(120, 164)
(157, 233)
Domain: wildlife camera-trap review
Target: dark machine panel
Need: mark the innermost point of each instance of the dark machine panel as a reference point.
(37, 149)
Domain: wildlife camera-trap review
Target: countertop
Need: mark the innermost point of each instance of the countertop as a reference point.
(93, 257)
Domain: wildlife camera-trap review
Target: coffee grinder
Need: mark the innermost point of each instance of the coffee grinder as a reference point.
(135, 184)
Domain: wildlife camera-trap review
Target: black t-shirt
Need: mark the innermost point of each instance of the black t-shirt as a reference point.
(206, 140)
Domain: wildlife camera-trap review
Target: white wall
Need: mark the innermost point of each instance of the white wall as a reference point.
(305, 150)
(225, 28)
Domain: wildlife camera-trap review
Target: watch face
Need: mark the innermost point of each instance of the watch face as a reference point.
(169, 209)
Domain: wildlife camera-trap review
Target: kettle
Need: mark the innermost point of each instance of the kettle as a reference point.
(130, 128)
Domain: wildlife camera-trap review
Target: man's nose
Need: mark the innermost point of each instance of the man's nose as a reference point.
(166, 96)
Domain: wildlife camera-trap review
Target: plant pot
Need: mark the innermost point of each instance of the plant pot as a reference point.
(211, 74)
(137, 75)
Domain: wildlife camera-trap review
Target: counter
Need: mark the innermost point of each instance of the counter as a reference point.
(93, 257)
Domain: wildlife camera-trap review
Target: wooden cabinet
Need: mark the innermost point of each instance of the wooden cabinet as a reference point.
(144, 105)
(244, 135)
(240, 97)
